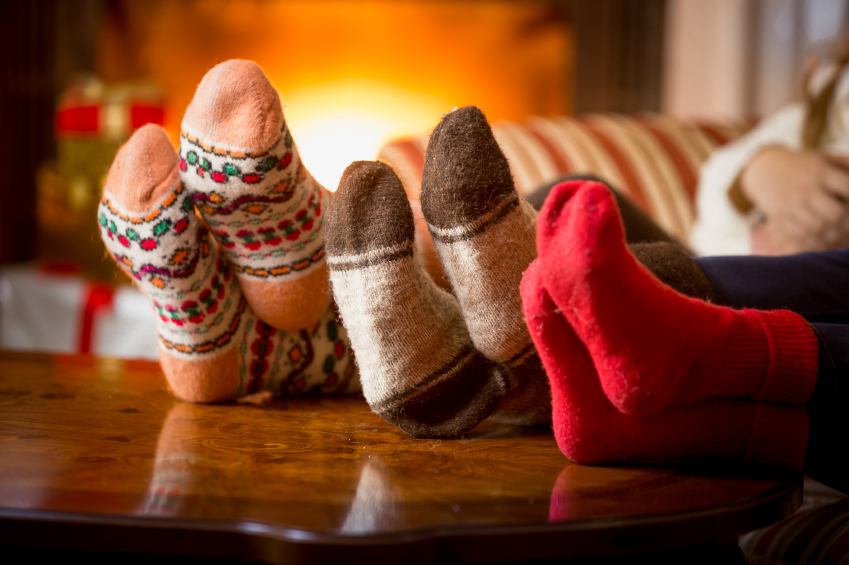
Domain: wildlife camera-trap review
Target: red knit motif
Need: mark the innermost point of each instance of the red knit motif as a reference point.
(262, 348)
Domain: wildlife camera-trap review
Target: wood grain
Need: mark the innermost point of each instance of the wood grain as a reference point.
(101, 443)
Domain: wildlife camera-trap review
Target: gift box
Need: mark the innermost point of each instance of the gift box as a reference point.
(92, 120)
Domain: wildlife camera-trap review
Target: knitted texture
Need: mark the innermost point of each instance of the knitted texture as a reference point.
(165, 248)
(651, 345)
(212, 347)
(418, 366)
(314, 361)
(484, 234)
(264, 208)
(589, 429)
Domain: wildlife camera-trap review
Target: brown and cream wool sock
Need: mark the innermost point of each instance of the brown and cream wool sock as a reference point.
(212, 346)
(418, 367)
(484, 233)
(264, 208)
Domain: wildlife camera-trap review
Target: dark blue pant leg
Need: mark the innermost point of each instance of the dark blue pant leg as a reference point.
(814, 285)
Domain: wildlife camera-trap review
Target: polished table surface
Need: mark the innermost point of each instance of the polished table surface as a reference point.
(95, 454)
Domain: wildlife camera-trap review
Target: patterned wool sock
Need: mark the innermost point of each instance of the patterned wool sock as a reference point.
(589, 429)
(263, 206)
(651, 345)
(212, 347)
(417, 364)
(484, 233)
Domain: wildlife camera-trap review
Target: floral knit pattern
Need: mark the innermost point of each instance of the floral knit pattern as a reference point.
(200, 309)
(315, 361)
(264, 208)
(198, 304)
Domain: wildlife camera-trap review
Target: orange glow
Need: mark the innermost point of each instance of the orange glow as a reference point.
(352, 73)
(335, 124)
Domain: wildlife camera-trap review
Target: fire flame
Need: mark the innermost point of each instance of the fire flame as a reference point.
(337, 123)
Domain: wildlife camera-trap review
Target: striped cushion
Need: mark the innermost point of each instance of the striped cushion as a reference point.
(817, 534)
(650, 157)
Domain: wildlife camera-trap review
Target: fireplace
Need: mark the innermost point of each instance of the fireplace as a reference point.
(353, 74)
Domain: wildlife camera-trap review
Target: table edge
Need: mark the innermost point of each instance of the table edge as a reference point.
(278, 545)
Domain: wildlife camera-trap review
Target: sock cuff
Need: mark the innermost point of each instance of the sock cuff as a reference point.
(779, 436)
(772, 356)
(747, 357)
(793, 357)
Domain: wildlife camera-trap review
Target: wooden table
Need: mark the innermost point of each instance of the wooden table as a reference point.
(95, 455)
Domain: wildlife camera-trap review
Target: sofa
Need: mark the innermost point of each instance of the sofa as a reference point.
(652, 158)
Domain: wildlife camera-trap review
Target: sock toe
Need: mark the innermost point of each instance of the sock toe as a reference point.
(578, 215)
(144, 169)
(465, 170)
(237, 106)
(371, 192)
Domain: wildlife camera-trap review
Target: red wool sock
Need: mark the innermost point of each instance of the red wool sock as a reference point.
(589, 429)
(651, 345)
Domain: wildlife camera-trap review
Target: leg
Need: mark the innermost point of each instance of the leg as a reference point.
(418, 367)
(621, 312)
(657, 250)
(264, 208)
(811, 284)
(212, 347)
(589, 429)
(484, 234)
(639, 227)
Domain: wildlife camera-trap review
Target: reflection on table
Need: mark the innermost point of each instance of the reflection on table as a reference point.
(102, 443)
